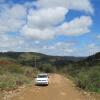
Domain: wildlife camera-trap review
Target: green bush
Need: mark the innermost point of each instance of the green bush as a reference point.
(89, 80)
(12, 76)
(7, 81)
(16, 69)
(94, 78)
(1, 70)
(48, 68)
(82, 80)
(12, 81)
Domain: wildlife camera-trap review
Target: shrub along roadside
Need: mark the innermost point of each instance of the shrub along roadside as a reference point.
(89, 80)
(11, 81)
(16, 76)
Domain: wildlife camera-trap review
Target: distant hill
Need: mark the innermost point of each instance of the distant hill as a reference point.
(37, 59)
(28, 58)
(16, 55)
(93, 59)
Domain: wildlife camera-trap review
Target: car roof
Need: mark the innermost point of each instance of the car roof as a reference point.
(43, 74)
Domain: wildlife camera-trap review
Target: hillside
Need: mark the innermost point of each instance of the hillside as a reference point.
(94, 59)
(16, 55)
(20, 65)
(37, 59)
(13, 75)
(86, 73)
(26, 64)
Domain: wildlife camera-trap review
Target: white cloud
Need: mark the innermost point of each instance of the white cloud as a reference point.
(7, 41)
(64, 45)
(92, 48)
(83, 5)
(2, 1)
(77, 26)
(59, 48)
(87, 49)
(12, 18)
(43, 23)
(37, 42)
(98, 37)
(43, 18)
(36, 33)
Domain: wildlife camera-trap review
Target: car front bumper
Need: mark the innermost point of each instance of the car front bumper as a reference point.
(41, 82)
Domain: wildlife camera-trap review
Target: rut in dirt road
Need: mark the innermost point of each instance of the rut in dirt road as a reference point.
(59, 88)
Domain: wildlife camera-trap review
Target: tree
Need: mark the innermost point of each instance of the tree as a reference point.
(48, 68)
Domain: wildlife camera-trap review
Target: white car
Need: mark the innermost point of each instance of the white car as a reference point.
(42, 79)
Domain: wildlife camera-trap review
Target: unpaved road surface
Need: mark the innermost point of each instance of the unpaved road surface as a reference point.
(59, 88)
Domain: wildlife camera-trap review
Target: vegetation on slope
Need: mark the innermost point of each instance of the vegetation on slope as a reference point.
(13, 75)
(84, 71)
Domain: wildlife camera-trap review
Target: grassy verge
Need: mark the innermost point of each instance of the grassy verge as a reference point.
(89, 80)
(12, 76)
(86, 78)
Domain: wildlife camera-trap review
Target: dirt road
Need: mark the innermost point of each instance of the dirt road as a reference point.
(59, 88)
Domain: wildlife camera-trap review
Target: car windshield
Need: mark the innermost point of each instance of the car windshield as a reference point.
(42, 76)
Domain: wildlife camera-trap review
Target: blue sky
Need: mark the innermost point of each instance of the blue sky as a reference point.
(64, 27)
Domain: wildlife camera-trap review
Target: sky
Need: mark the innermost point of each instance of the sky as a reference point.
(53, 27)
